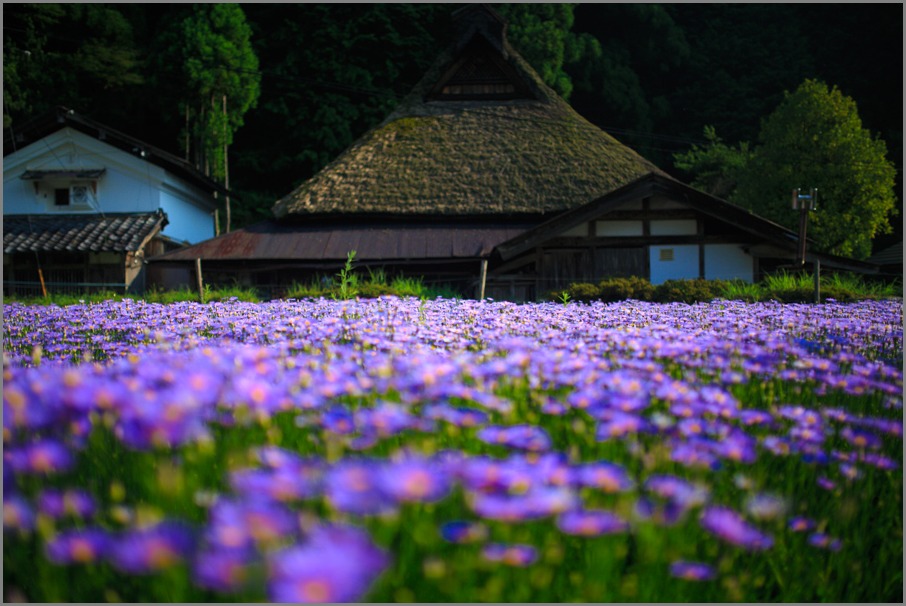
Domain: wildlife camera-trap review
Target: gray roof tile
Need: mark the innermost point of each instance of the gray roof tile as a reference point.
(80, 233)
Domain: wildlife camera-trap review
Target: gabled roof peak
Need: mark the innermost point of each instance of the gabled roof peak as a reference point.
(480, 19)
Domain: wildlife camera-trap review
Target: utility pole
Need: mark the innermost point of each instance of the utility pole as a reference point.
(804, 203)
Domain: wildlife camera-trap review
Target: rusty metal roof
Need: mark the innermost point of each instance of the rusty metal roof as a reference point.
(111, 232)
(372, 240)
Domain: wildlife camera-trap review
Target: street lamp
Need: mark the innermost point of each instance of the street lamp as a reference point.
(804, 203)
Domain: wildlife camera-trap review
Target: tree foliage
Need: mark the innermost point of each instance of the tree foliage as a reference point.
(715, 167)
(211, 52)
(815, 138)
(542, 33)
(79, 55)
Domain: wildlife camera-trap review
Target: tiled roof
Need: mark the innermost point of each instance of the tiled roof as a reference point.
(84, 233)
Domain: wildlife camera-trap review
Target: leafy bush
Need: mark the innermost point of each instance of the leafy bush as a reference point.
(737, 290)
(689, 291)
(583, 291)
(373, 290)
(620, 289)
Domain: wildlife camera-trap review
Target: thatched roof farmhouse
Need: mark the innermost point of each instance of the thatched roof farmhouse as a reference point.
(468, 177)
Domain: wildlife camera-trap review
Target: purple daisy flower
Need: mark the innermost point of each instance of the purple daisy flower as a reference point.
(242, 524)
(692, 571)
(823, 541)
(729, 526)
(521, 437)
(664, 514)
(591, 522)
(676, 490)
(605, 476)
(414, 479)
(460, 531)
(620, 425)
(80, 546)
(535, 504)
(466, 417)
(44, 456)
(826, 483)
(387, 419)
(284, 484)
(148, 550)
(338, 420)
(352, 487)
(879, 461)
(801, 524)
(57, 504)
(486, 474)
(518, 555)
(337, 564)
(18, 514)
(225, 571)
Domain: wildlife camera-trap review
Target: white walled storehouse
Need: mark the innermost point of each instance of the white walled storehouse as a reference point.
(85, 204)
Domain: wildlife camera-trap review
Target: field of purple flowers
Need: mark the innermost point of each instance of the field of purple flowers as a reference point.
(453, 451)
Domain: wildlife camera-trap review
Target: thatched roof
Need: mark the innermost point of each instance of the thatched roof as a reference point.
(528, 154)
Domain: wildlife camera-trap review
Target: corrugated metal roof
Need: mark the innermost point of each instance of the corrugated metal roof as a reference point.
(89, 233)
(372, 240)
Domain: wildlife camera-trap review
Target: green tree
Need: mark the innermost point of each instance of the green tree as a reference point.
(625, 85)
(542, 34)
(79, 55)
(815, 138)
(209, 54)
(332, 71)
(716, 166)
(223, 82)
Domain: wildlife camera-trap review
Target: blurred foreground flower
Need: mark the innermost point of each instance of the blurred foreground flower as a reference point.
(512, 555)
(336, 564)
(692, 571)
(726, 524)
(148, 550)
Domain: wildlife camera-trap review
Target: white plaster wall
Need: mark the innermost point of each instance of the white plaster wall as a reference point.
(187, 222)
(728, 262)
(618, 228)
(683, 265)
(674, 227)
(580, 231)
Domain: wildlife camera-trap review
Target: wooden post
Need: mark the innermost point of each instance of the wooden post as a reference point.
(484, 277)
(198, 280)
(41, 279)
(817, 281)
